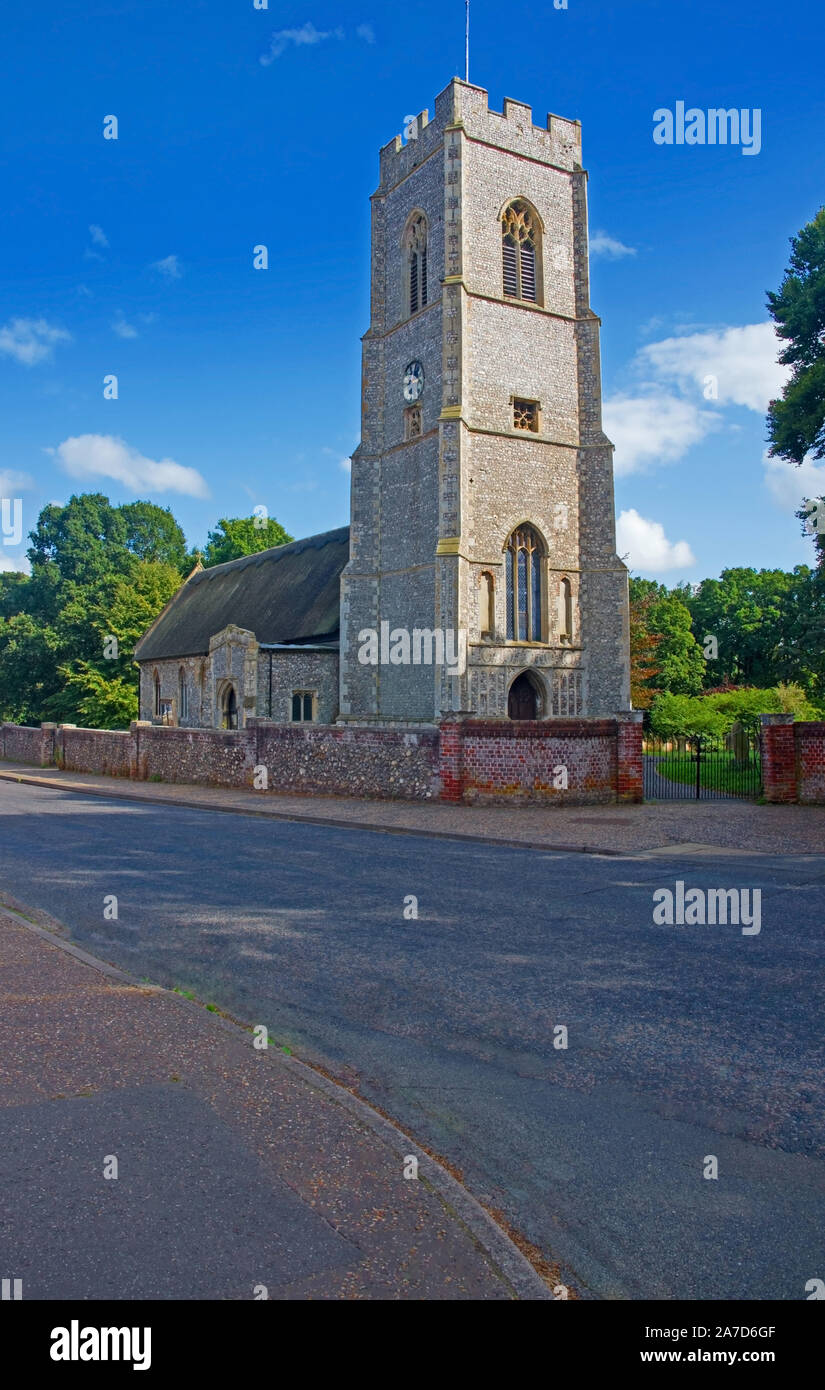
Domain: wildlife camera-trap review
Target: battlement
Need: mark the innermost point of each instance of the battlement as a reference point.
(462, 104)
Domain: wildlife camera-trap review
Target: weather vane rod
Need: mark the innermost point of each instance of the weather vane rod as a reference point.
(467, 44)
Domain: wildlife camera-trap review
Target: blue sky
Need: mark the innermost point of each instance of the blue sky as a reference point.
(240, 126)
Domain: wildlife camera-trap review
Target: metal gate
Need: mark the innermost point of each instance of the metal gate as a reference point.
(703, 769)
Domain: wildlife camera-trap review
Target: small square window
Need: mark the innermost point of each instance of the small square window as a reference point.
(302, 702)
(526, 415)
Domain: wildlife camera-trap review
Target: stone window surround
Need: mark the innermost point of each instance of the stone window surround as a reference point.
(523, 429)
(313, 694)
(538, 247)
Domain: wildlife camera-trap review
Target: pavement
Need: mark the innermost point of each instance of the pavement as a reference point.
(736, 825)
(240, 1173)
(429, 974)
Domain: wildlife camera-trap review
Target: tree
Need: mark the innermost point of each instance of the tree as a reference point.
(244, 535)
(644, 668)
(662, 623)
(685, 716)
(153, 534)
(751, 614)
(100, 576)
(796, 422)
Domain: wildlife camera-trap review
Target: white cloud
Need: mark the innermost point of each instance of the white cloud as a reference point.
(644, 546)
(307, 36)
(98, 235)
(346, 465)
(31, 340)
(170, 267)
(653, 428)
(366, 32)
(12, 482)
(601, 244)
(742, 361)
(104, 456)
(124, 329)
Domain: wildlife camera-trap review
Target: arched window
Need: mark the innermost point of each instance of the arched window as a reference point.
(416, 264)
(566, 611)
(486, 605)
(156, 683)
(520, 249)
(523, 565)
(229, 708)
(183, 695)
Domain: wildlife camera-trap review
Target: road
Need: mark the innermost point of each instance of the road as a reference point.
(683, 1042)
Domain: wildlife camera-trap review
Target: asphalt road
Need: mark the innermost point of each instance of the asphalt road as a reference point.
(683, 1041)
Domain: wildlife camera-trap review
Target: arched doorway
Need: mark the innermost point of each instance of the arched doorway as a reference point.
(523, 700)
(229, 708)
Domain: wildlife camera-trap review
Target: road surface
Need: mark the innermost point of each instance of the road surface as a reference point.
(683, 1042)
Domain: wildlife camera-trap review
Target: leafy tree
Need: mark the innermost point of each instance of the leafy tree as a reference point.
(663, 618)
(751, 615)
(685, 716)
(153, 534)
(244, 535)
(644, 668)
(100, 702)
(100, 576)
(796, 422)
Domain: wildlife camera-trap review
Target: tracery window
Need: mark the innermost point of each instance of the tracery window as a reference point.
(526, 415)
(520, 248)
(303, 702)
(523, 566)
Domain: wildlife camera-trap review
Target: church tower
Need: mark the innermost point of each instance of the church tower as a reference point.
(482, 489)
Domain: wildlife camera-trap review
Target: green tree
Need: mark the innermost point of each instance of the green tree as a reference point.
(751, 615)
(679, 661)
(244, 535)
(685, 716)
(644, 668)
(796, 422)
(100, 576)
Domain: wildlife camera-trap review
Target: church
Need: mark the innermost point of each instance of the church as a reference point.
(479, 575)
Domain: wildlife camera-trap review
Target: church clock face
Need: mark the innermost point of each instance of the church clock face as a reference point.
(413, 381)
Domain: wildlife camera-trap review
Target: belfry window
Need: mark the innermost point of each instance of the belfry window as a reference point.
(523, 566)
(416, 263)
(520, 251)
(412, 422)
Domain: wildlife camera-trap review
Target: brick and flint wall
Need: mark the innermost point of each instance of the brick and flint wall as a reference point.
(572, 761)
